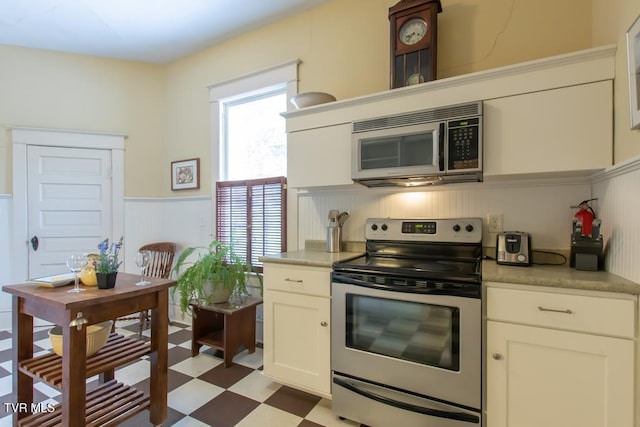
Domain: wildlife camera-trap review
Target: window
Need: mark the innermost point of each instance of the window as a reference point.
(249, 134)
(251, 215)
(254, 140)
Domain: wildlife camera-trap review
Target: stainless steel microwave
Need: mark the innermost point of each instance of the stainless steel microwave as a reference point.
(434, 146)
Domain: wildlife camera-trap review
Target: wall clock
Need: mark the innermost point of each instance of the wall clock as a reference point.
(413, 25)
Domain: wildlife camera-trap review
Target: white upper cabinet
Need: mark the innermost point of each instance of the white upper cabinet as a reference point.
(551, 117)
(569, 130)
(319, 156)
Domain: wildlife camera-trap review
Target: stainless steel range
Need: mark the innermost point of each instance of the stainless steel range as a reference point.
(406, 341)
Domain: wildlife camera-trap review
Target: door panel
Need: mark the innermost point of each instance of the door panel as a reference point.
(297, 339)
(542, 377)
(69, 204)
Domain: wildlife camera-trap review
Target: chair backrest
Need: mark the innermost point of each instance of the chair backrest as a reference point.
(161, 258)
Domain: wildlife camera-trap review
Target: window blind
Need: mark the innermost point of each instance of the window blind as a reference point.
(251, 217)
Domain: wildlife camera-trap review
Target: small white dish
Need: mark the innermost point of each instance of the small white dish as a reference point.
(308, 99)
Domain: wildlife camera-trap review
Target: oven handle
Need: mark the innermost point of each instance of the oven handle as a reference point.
(459, 416)
(395, 288)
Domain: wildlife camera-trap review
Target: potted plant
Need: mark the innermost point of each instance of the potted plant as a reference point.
(107, 264)
(212, 278)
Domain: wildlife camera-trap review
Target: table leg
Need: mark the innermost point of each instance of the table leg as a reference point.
(250, 330)
(22, 341)
(73, 373)
(159, 361)
(239, 329)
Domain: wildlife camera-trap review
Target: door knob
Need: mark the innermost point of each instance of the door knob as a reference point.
(35, 243)
(498, 356)
(323, 323)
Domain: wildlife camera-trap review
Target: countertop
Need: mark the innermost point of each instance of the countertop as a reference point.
(558, 277)
(537, 275)
(310, 258)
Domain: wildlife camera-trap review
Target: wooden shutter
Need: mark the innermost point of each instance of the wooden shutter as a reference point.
(251, 217)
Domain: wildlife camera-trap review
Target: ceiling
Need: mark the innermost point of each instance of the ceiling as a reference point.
(156, 31)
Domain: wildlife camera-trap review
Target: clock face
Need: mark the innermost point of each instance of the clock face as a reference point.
(413, 31)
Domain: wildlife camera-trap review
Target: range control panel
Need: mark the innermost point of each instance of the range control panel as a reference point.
(425, 230)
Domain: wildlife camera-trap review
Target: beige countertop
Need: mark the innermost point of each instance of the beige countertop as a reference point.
(311, 258)
(558, 277)
(537, 275)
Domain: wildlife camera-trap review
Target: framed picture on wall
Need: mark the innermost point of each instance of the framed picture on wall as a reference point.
(633, 58)
(185, 174)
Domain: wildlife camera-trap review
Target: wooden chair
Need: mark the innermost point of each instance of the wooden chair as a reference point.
(162, 254)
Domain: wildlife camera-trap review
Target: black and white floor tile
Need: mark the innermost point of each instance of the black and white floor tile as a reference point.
(202, 392)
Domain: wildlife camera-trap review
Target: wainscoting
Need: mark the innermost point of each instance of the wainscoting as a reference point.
(619, 208)
(542, 207)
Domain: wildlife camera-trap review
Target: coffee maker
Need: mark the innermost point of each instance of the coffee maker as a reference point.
(586, 240)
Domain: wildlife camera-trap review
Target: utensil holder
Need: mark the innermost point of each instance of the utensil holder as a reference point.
(334, 235)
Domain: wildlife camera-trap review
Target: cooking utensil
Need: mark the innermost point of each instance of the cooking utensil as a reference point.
(342, 218)
(333, 216)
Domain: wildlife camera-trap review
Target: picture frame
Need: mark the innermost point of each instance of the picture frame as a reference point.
(185, 174)
(633, 59)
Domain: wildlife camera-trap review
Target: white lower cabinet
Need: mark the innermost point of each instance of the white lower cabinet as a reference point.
(542, 377)
(545, 368)
(297, 333)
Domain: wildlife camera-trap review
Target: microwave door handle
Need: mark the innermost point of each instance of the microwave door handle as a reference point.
(459, 416)
(441, 148)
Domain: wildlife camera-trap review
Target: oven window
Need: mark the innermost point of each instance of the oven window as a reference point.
(422, 333)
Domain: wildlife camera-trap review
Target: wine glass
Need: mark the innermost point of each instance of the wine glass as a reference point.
(142, 261)
(75, 263)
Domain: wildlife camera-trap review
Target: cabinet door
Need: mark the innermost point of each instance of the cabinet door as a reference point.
(296, 340)
(319, 157)
(561, 130)
(542, 377)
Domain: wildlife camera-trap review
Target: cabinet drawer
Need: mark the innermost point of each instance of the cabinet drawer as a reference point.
(299, 279)
(605, 316)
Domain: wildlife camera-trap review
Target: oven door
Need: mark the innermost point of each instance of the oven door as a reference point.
(409, 339)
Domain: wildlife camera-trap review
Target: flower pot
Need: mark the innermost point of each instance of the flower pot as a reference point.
(217, 295)
(106, 280)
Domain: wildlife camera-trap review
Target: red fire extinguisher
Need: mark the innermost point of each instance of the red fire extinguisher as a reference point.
(586, 215)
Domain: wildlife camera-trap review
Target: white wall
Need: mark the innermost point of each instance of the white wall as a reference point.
(5, 260)
(617, 193)
(542, 208)
(186, 221)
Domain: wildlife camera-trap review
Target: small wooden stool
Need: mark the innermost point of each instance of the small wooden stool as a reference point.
(224, 327)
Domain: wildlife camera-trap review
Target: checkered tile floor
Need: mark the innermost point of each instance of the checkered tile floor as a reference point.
(202, 392)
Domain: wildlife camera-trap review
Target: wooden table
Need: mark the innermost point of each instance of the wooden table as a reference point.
(224, 327)
(111, 402)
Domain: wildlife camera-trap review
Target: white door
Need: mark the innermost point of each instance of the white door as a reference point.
(69, 204)
(542, 377)
(296, 345)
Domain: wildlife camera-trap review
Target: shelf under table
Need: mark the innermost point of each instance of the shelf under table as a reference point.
(118, 351)
(107, 405)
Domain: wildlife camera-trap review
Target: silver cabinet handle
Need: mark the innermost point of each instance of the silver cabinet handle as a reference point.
(497, 356)
(292, 280)
(567, 311)
(323, 323)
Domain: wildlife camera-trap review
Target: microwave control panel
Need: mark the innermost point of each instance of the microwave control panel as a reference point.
(464, 152)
